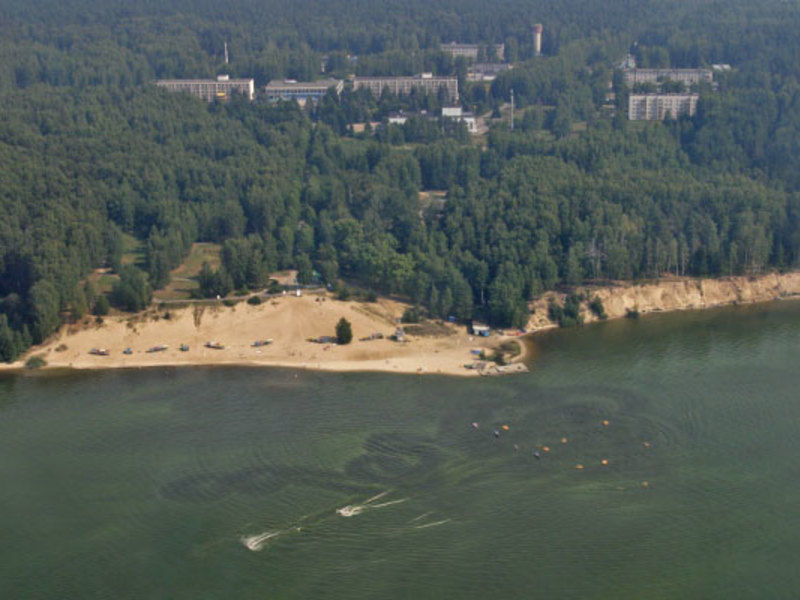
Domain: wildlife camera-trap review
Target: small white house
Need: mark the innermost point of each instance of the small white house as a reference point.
(457, 113)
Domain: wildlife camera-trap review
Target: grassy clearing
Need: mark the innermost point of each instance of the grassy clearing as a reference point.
(183, 279)
(132, 250)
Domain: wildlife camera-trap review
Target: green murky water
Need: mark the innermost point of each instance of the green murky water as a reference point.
(152, 484)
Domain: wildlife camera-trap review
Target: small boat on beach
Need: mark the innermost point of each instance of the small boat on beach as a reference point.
(215, 345)
(99, 351)
(184, 347)
(158, 348)
(259, 343)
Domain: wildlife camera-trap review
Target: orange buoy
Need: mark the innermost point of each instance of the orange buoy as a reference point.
(579, 467)
(604, 462)
(546, 448)
(505, 427)
(647, 444)
(563, 440)
(606, 423)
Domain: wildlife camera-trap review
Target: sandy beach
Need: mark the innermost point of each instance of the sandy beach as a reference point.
(289, 321)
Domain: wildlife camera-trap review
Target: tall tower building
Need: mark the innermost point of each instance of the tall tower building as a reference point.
(537, 39)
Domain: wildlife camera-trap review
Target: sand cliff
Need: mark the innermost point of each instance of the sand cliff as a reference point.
(676, 294)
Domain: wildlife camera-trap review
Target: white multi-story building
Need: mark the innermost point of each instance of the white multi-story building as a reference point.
(685, 76)
(302, 91)
(221, 88)
(404, 85)
(657, 107)
(471, 51)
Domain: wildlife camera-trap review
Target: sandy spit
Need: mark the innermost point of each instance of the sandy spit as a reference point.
(289, 321)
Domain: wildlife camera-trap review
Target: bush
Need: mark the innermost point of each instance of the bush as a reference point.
(35, 362)
(597, 308)
(568, 315)
(371, 296)
(132, 292)
(101, 306)
(412, 315)
(344, 331)
(254, 300)
(632, 313)
(344, 293)
(230, 302)
(555, 312)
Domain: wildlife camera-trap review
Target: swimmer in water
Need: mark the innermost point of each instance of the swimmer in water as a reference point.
(536, 455)
(496, 433)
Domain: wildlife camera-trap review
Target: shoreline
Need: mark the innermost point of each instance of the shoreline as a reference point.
(674, 294)
(290, 321)
(442, 349)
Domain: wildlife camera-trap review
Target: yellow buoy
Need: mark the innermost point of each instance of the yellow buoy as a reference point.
(505, 428)
(647, 444)
(546, 448)
(579, 467)
(604, 462)
(645, 484)
(563, 440)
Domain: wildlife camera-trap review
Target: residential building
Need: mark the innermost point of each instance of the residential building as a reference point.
(403, 85)
(657, 107)
(301, 91)
(685, 76)
(486, 71)
(471, 51)
(221, 88)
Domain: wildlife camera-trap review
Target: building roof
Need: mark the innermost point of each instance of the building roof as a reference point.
(215, 81)
(291, 84)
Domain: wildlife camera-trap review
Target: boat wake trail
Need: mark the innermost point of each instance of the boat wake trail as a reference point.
(434, 524)
(351, 510)
(256, 543)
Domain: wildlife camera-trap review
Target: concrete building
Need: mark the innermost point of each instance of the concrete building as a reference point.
(403, 85)
(486, 71)
(685, 76)
(221, 88)
(302, 91)
(457, 114)
(537, 39)
(471, 51)
(397, 118)
(657, 107)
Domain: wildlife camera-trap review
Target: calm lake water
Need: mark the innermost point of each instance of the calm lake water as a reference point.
(151, 484)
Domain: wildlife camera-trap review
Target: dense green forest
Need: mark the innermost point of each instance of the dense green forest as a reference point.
(91, 151)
